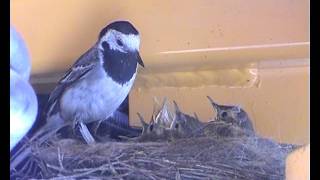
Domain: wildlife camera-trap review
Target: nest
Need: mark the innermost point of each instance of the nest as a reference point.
(175, 155)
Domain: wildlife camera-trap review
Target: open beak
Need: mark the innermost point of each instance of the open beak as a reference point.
(214, 105)
(139, 60)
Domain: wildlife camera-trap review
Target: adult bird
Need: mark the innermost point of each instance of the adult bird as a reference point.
(98, 82)
(93, 87)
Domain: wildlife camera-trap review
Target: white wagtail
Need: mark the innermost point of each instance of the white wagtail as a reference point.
(23, 101)
(232, 114)
(94, 87)
(97, 83)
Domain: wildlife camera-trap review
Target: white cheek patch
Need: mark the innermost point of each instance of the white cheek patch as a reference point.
(130, 42)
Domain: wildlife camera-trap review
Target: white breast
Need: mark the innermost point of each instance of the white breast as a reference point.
(94, 99)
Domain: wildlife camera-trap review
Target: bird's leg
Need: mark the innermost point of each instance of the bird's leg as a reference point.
(75, 127)
(85, 133)
(96, 126)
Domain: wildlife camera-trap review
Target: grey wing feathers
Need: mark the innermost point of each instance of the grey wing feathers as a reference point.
(82, 66)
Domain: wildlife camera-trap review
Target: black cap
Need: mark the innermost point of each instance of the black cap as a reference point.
(124, 27)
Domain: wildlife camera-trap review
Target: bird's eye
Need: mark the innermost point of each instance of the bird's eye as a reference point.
(176, 126)
(151, 127)
(119, 42)
(224, 114)
(105, 45)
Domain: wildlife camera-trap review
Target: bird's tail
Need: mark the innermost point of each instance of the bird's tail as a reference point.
(118, 125)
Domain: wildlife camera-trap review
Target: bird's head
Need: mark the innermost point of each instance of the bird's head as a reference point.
(121, 36)
(229, 114)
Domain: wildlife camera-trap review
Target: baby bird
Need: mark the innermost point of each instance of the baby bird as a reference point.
(232, 114)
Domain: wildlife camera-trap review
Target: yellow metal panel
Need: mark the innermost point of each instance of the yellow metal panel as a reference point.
(188, 36)
(58, 32)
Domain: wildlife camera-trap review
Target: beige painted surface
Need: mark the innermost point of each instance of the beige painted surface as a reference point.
(298, 164)
(213, 44)
(221, 32)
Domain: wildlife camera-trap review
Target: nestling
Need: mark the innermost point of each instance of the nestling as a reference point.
(232, 114)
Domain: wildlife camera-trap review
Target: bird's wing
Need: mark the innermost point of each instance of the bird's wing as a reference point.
(82, 66)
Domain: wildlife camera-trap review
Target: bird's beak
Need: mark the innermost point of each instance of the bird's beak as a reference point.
(214, 105)
(139, 60)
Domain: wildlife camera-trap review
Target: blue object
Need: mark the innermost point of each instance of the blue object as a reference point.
(23, 100)
(23, 107)
(19, 56)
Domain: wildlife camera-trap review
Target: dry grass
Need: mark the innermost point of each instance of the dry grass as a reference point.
(189, 158)
(173, 146)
